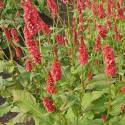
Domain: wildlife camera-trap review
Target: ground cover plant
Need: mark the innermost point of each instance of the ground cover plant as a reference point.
(62, 62)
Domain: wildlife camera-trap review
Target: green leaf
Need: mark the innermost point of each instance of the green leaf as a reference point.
(99, 82)
(6, 66)
(88, 98)
(4, 109)
(26, 102)
(116, 104)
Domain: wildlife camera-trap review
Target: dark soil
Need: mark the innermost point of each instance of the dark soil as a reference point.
(10, 115)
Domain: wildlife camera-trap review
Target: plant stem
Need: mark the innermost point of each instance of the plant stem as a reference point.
(110, 99)
(82, 85)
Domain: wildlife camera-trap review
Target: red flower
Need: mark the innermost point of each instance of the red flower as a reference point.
(108, 24)
(120, 14)
(59, 39)
(110, 5)
(81, 28)
(90, 76)
(33, 22)
(34, 51)
(27, 34)
(18, 14)
(102, 30)
(50, 84)
(45, 28)
(56, 70)
(97, 46)
(83, 53)
(109, 8)
(104, 117)
(53, 8)
(88, 3)
(121, 2)
(97, 62)
(1, 5)
(80, 5)
(123, 89)
(49, 105)
(14, 35)
(117, 36)
(108, 55)
(94, 9)
(28, 66)
(8, 34)
(18, 52)
(101, 12)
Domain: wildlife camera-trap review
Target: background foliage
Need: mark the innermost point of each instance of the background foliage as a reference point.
(24, 91)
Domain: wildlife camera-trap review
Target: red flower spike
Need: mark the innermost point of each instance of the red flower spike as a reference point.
(27, 34)
(109, 61)
(97, 46)
(8, 34)
(81, 28)
(120, 14)
(45, 28)
(88, 3)
(121, 2)
(18, 52)
(123, 90)
(83, 53)
(80, 5)
(18, 14)
(33, 22)
(94, 9)
(102, 31)
(90, 76)
(1, 5)
(50, 84)
(34, 51)
(28, 66)
(14, 35)
(109, 10)
(104, 118)
(101, 12)
(49, 105)
(56, 70)
(53, 8)
(108, 24)
(117, 36)
(59, 39)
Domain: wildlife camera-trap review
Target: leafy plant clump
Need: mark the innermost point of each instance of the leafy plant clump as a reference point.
(62, 62)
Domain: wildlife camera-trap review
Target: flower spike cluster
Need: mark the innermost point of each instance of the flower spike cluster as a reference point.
(53, 8)
(83, 53)
(50, 84)
(33, 25)
(48, 104)
(33, 22)
(109, 61)
(56, 70)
